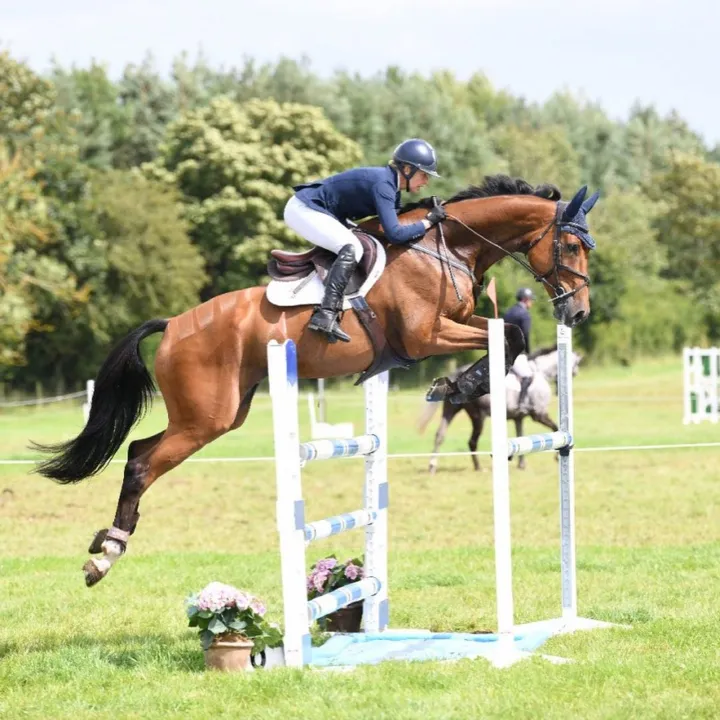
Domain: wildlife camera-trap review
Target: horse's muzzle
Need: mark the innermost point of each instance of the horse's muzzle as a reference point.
(570, 313)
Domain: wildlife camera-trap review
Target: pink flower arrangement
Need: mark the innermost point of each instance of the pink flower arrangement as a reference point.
(220, 609)
(328, 574)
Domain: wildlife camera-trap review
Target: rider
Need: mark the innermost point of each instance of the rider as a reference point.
(319, 210)
(519, 314)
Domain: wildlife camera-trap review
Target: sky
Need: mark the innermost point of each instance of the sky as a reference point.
(615, 52)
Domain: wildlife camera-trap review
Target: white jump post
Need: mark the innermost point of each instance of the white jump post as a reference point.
(701, 376)
(503, 449)
(295, 533)
(89, 390)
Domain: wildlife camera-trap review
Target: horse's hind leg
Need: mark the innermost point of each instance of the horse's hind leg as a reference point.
(544, 419)
(192, 426)
(177, 444)
(478, 420)
(135, 450)
(449, 412)
(518, 433)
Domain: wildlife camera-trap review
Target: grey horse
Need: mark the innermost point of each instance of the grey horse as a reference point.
(543, 363)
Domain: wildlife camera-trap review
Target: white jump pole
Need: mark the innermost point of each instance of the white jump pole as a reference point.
(501, 488)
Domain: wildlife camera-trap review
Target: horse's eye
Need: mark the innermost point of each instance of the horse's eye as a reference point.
(573, 248)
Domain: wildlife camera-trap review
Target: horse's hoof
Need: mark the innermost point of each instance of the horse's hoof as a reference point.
(93, 574)
(440, 389)
(96, 544)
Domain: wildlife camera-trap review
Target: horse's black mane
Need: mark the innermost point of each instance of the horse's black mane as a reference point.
(493, 185)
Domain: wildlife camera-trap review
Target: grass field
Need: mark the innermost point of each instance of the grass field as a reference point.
(648, 528)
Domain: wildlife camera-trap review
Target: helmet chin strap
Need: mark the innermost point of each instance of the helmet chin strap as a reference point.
(409, 176)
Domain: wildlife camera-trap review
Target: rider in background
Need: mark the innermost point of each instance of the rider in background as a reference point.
(519, 314)
(319, 210)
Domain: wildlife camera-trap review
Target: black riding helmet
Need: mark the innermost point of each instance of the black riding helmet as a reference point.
(413, 155)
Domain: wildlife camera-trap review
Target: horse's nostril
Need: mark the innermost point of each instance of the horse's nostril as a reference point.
(578, 317)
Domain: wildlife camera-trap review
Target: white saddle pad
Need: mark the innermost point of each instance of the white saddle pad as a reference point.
(310, 290)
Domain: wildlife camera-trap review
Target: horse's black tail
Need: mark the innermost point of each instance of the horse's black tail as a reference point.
(123, 393)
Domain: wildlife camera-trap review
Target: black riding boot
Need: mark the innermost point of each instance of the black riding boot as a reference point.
(325, 318)
(525, 384)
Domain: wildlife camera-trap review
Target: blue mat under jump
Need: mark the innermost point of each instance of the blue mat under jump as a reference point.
(415, 645)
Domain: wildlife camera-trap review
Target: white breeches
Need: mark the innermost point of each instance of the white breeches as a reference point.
(319, 228)
(521, 366)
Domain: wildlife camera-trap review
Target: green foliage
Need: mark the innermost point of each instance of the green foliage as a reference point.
(91, 99)
(149, 103)
(84, 257)
(26, 100)
(539, 155)
(688, 225)
(129, 249)
(234, 166)
(30, 276)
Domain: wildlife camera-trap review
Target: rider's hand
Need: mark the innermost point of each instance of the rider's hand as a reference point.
(436, 215)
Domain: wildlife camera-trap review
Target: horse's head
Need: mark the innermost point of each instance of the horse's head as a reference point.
(560, 258)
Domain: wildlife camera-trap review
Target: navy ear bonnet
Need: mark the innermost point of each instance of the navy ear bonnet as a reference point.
(573, 219)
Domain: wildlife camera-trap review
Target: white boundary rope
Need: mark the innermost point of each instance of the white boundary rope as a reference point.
(43, 401)
(395, 456)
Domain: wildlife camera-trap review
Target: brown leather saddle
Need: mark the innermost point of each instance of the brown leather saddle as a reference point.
(288, 266)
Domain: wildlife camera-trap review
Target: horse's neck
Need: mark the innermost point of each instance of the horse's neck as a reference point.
(548, 365)
(504, 220)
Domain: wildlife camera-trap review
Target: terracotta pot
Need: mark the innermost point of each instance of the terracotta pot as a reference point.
(230, 654)
(347, 619)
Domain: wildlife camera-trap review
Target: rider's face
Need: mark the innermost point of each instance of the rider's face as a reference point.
(418, 180)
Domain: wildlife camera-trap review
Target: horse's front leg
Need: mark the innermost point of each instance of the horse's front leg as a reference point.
(449, 337)
(475, 381)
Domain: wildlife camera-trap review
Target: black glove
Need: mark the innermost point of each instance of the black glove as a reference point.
(436, 215)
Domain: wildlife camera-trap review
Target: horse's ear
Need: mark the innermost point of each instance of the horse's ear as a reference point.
(589, 204)
(575, 204)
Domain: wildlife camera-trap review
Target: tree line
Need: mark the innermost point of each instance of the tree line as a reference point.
(130, 198)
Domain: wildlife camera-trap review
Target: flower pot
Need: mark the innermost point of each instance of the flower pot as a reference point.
(229, 653)
(345, 620)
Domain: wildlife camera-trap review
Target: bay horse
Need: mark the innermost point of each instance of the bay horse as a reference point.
(212, 357)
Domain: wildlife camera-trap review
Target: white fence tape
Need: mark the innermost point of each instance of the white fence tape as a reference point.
(396, 456)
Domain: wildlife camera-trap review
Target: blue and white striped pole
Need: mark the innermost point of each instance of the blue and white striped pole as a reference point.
(364, 589)
(376, 607)
(290, 456)
(282, 369)
(568, 569)
(328, 449)
(527, 444)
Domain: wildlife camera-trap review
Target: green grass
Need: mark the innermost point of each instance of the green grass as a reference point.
(648, 527)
